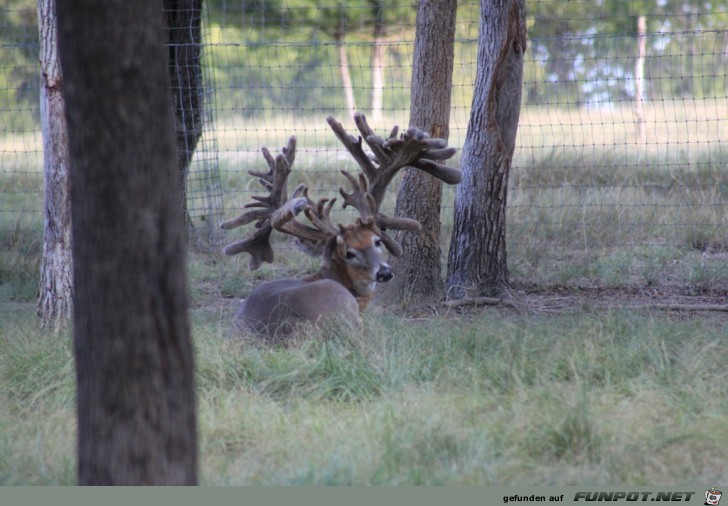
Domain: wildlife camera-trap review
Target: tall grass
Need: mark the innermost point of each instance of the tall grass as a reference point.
(20, 251)
(37, 402)
(601, 398)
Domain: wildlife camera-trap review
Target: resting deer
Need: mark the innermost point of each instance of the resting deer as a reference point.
(352, 256)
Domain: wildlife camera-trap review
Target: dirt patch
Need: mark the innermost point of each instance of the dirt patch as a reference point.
(673, 302)
(673, 298)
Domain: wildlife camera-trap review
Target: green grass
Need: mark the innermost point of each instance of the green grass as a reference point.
(37, 402)
(621, 397)
(602, 398)
(20, 252)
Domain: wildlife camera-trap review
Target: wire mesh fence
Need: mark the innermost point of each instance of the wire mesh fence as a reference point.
(620, 164)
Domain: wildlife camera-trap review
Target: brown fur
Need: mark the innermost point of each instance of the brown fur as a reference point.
(343, 287)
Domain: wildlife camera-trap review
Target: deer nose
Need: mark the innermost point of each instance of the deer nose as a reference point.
(384, 274)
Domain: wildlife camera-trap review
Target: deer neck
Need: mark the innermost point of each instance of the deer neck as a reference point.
(338, 273)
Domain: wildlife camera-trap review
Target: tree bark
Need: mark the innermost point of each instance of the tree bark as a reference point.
(477, 262)
(183, 23)
(55, 299)
(134, 362)
(418, 274)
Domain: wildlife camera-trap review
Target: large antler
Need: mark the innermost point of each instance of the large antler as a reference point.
(413, 148)
(277, 211)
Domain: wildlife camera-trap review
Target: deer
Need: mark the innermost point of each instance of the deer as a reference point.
(352, 256)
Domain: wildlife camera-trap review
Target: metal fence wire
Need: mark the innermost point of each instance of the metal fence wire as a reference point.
(621, 152)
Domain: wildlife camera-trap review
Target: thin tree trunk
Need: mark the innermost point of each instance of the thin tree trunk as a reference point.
(346, 76)
(477, 263)
(134, 362)
(55, 299)
(639, 81)
(378, 73)
(418, 274)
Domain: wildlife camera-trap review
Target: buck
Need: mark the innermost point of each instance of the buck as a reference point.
(352, 257)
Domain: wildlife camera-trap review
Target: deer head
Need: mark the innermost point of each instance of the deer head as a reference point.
(351, 255)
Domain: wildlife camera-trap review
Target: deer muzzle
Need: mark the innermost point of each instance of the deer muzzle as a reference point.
(384, 274)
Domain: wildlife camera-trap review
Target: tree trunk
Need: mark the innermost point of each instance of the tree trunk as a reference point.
(378, 66)
(345, 74)
(477, 263)
(134, 362)
(55, 292)
(639, 82)
(417, 272)
(183, 19)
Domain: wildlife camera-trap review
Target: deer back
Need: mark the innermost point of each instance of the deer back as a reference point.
(275, 308)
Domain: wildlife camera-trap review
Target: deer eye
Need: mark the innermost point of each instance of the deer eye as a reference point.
(378, 243)
(350, 254)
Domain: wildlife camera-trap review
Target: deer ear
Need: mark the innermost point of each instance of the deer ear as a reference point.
(328, 251)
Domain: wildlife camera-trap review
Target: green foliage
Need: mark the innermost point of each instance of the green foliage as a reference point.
(275, 56)
(571, 41)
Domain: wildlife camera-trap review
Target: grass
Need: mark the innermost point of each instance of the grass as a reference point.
(592, 396)
(20, 252)
(601, 398)
(37, 402)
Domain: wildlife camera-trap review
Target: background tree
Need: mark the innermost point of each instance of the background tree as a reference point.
(134, 362)
(55, 292)
(477, 263)
(377, 61)
(335, 22)
(184, 37)
(419, 197)
(383, 15)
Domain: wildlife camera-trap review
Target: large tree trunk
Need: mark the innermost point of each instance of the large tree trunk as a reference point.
(134, 362)
(55, 291)
(418, 272)
(183, 22)
(477, 263)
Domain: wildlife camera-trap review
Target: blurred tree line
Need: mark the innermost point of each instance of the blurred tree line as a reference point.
(286, 55)
(584, 51)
